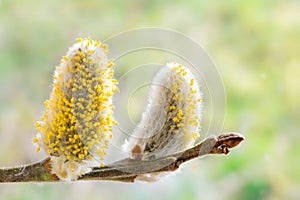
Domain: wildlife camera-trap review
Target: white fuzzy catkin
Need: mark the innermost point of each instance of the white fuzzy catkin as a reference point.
(77, 123)
(171, 122)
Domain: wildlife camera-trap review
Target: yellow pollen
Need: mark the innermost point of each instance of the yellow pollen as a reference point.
(38, 149)
(81, 96)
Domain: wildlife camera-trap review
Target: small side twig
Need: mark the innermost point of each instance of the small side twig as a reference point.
(126, 170)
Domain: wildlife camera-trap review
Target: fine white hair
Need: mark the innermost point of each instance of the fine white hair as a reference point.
(171, 121)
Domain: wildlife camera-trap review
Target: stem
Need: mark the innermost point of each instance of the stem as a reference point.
(126, 170)
(36, 172)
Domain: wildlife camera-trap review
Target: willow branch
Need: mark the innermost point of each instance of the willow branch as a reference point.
(127, 170)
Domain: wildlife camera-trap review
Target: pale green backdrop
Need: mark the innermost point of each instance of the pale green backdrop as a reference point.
(255, 46)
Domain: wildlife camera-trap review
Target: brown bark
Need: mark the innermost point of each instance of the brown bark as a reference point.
(127, 169)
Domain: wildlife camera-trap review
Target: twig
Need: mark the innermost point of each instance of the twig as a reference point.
(126, 170)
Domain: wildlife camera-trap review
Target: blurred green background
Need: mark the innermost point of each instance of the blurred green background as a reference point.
(255, 46)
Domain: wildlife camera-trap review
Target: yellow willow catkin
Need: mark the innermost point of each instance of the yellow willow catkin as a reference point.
(78, 120)
(171, 121)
